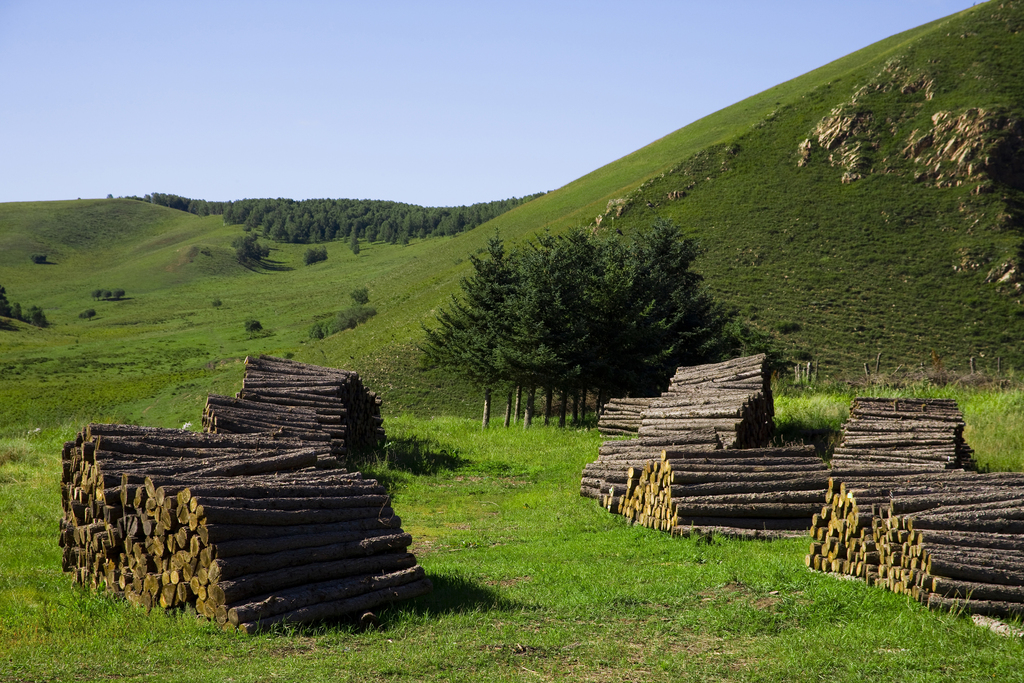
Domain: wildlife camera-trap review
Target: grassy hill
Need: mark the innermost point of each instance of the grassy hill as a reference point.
(857, 209)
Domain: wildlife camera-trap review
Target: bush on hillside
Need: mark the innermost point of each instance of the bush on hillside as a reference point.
(361, 295)
(348, 318)
(35, 316)
(38, 258)
(315, 255)
(249, 251)
(87, 313)
(253, 326)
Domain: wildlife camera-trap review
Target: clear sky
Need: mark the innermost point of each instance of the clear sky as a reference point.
(424, 102)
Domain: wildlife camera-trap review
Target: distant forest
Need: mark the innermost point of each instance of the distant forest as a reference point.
(323, 220)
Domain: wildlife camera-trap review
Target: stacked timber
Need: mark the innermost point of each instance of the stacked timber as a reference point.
(733, 398)
(753, 493)
(622, 416)
(899, 432)
(615, 458)
(343, 406)
(231, 415)
(956, 542)
(243, 528)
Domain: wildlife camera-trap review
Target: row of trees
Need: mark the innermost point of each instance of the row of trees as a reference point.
(322, 220)
(32, 315)
(199, 207)
(579, 312)
(108, 294)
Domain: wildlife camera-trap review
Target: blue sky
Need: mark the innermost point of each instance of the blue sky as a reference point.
(429, 103)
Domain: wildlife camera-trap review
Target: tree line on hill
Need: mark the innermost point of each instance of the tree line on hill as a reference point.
(324, 220)
(32, 315)
(581, 312)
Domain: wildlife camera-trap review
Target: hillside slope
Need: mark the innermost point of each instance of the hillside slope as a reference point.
(894, 260)
(870, 206)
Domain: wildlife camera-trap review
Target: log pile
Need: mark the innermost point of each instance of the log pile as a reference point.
(754, 493)
(951, 540)
(622, 416)
(706, 408)
(615, 458)
(733, 398)
(228, 415)
(243, 528)
(897, 432)
(314, 403)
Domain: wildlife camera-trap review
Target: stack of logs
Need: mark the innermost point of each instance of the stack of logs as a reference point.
(752, 493)
(243, 528)
(322, 424)
(707, 407)
(951, 540)
(622, 416)
(899, 432)
(733, 398)
(344, 409)
(615, 458)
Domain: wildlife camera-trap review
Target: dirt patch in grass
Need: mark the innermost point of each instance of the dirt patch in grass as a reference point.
(507, 583)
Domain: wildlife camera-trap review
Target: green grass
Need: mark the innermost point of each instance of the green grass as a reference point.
(531, 582)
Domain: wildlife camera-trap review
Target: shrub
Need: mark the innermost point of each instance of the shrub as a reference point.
(361, 295)
(248, 250)
(315, 255)
(87, 313)
(252, 326)
(97, 293)
(105, 294)
(35, 316)
(38, 258)
(787, 327)
(117, 293)
(348, 318)
(319, 330)
(216, 303)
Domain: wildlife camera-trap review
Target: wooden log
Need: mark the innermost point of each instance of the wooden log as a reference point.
(781, 510)
(299, 503)
(361, 603)
(280, 602)
(992, 608)
(770, 524)
(954, 539)
(225, 569)
(266, 546)
(683, 477)
(236, 590)
(221, 533)
(259, 517)
(948, 568)
(952, 588)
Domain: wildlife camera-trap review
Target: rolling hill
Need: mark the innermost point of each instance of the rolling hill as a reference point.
(869, 206)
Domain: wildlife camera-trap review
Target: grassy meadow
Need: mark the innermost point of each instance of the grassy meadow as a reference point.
(531, 581)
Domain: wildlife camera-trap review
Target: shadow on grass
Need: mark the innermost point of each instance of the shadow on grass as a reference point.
(823, 440)
(412, 455)
(275, 266)
(7, 326)
(452, 594)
